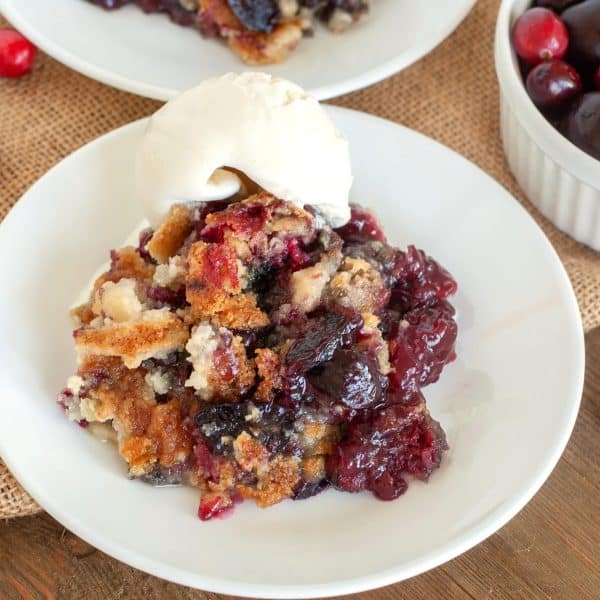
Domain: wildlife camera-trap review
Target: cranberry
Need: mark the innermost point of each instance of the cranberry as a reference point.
(16, 54)
(581, 124)
(538, 34)
(583, 23)
(299, 259)
(212, 507)
(553, 84)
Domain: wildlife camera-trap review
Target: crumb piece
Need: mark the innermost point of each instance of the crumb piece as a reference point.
(249, 453)
(171, 274)
(118, 301)
(221, 368)
(158, 333)
(171, 234)
(268, 367)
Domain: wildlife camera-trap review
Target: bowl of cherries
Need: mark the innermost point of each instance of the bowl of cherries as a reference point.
(548, 65)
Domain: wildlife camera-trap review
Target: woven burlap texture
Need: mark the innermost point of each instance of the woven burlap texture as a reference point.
(451, 95)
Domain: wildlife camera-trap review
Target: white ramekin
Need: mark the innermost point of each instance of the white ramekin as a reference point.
(561, 180)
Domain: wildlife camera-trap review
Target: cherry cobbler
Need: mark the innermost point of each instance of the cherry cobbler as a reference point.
(251, 351)
(259, 31)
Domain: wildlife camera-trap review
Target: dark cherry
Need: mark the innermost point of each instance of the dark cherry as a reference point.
(583, 23)
(308, 489)
(221, 420)
(422, 345)
(581, 124)
(553, 84)
(384, 446)
(259, 15)
(352, 378)
(556, 5)
(538, 34)
(597, 78)
(362, 227)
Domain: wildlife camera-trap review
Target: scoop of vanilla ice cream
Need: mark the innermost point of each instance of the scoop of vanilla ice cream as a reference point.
(267, 128)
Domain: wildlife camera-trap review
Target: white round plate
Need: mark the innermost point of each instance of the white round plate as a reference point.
(148, 55)
(508, 403)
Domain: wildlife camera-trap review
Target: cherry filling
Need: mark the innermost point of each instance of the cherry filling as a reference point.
(330, 371)
(290, 396)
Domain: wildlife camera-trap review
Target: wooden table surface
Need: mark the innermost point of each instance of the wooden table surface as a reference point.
(550, 550)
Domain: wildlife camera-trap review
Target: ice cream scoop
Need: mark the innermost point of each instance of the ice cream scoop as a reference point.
(265, 127)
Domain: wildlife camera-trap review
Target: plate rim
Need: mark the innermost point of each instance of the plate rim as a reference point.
(155, 92)
(495, 520)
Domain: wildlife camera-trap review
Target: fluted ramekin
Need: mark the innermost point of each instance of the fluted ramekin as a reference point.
(561, 180)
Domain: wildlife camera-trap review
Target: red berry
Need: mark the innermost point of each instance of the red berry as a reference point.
(16, 54)
(538, 34)
(552, 85)
(597, 78)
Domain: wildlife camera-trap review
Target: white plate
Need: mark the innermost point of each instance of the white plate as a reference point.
(150, 56)
(508, 404)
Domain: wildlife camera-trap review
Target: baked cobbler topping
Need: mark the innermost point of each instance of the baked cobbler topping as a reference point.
(249, 350)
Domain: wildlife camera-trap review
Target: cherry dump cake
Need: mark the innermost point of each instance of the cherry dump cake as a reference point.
(249, 350)
(259, 31)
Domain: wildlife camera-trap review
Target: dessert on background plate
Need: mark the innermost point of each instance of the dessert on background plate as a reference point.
(263, 340)
(259, 31)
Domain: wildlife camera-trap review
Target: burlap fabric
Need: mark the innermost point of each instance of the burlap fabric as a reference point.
(451, 96)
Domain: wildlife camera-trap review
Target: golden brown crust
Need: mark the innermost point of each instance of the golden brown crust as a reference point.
(313, 468)
(134, 341)
(149, 433)
(171, 234)
(275, 484)
(224, 310)
(268, 366)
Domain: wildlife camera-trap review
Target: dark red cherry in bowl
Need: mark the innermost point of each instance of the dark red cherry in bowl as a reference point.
(556, 5)
(583, 23)
(553, 84)
(16, 53)
(538, 34)
(581, 124)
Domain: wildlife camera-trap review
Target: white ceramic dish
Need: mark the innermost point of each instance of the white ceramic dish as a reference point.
(150, 56)
(508, 404)
(560, 179)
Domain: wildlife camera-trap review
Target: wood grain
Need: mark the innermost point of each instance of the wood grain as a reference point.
(550, 550)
